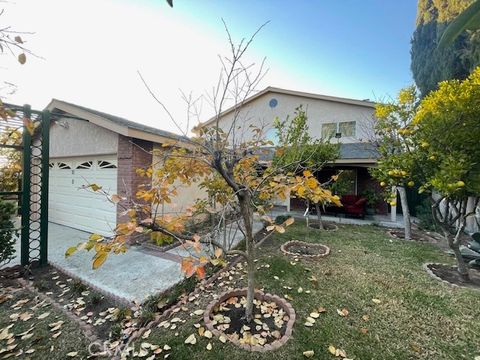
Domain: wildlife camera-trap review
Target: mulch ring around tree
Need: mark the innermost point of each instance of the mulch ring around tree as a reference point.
(327, 226)
(91, 307)
(270, 328)
(417, 235)
(449, 274)
(304, 249)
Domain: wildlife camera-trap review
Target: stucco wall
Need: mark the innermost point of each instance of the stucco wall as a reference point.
(259, 113)
(186, 194)
(81, 138)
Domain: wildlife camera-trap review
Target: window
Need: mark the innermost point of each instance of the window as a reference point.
(329, 130)
(51, 165)
(63, 166)
(347, 128)
(106, 165)
(84, 165)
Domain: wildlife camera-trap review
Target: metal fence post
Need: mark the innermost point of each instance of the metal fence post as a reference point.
(26, 189)
(45, 123)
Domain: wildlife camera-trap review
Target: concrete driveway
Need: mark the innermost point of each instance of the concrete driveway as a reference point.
(132, 276)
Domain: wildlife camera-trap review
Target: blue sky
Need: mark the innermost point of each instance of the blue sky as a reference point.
(348, 48)
(91, 50)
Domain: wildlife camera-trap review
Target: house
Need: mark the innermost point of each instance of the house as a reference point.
(348, 122)
(88, 146)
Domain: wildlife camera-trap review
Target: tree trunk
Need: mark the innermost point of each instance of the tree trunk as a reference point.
(319, 216)
(247, 216)
(462, 268)
(406, 212)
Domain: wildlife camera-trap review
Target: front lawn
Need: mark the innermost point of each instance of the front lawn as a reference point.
(393, 309)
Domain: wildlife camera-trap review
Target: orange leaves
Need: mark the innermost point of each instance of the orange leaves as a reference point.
(99, 259)
(191, 266)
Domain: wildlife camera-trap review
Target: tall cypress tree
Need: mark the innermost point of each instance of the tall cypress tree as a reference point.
(431, 65)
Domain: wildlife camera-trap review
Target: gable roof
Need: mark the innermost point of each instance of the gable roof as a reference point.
(275, 90)
(115, 123)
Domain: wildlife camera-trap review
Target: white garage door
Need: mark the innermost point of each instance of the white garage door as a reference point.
(82, 209)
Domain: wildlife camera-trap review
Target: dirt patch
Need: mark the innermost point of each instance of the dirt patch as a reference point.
(450, 274)
(417, 235)
(327, 226)
(301, 248)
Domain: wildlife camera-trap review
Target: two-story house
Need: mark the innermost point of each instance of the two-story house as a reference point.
(348, 122)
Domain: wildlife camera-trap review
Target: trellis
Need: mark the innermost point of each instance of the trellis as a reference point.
(33, 192)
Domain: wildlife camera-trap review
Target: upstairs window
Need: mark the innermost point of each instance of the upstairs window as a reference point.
(329, 130)
(347, 128)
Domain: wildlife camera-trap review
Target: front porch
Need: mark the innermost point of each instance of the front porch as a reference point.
(384, 220)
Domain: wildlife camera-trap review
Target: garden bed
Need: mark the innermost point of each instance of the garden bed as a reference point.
(304, 249)
(450, 275)
(95, 309)
(268, 330)
(327, 226)
(417, 235)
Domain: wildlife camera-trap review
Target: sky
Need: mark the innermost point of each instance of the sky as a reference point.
(90, 51)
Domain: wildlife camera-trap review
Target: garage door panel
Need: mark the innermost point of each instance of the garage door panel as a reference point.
(79, 208)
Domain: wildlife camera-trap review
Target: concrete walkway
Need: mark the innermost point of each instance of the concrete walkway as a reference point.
(132, 276)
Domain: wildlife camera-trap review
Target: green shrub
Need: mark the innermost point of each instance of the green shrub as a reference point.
(7, 232)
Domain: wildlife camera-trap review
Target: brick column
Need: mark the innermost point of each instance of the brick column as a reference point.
(132, 154)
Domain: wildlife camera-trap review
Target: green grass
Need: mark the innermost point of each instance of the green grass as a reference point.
(418, 317)
(70, 340)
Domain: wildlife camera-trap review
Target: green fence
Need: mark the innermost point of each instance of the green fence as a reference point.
(32, 194)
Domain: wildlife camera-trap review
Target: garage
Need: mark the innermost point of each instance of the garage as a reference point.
(89, 146)
(73, 206)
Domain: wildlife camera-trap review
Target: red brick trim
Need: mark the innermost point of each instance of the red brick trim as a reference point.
(132, 154)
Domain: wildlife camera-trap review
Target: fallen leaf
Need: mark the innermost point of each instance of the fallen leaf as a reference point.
(377, 301)
(344, 312)
(223, 339)
(209, 346)
(72, 354)
(43, 316)
(309, 353)
(332, 350)
(191, 339)
(365, 317)
(364, 330)
(208, 334)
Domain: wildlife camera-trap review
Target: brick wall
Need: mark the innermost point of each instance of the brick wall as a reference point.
(132, 154)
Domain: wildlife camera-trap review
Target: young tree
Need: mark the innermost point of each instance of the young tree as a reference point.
(394, 130)
(217, 154)
(307, 156)
(448, 134)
